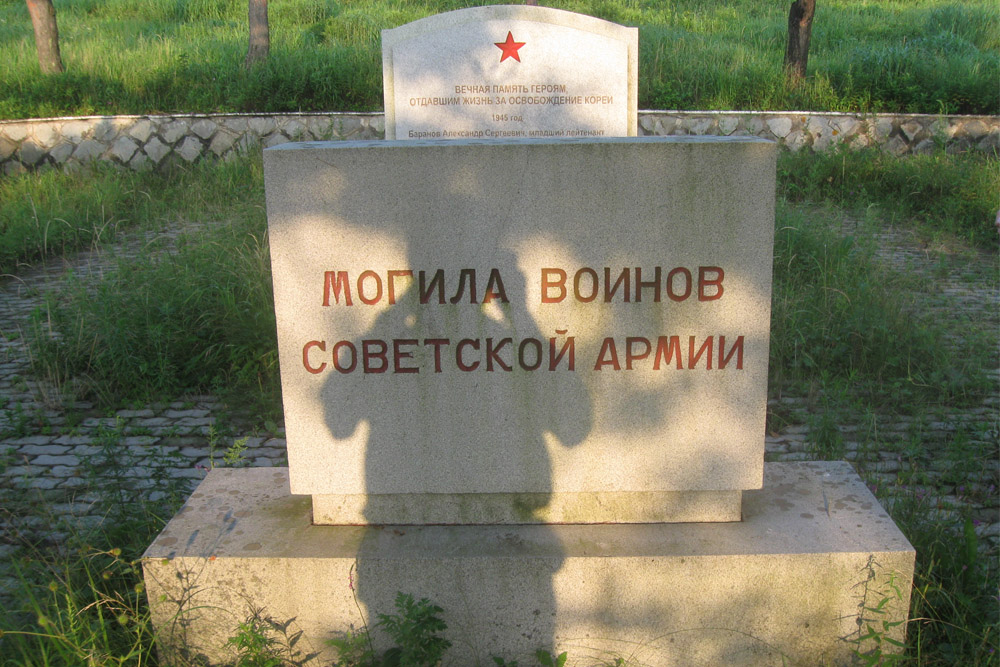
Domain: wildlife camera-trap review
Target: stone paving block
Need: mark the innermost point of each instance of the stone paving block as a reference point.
(204, 128)
(123, 148)
(261, 124)
(780, 127)
(190, 149)
(15, 131)
(54, 460)
(45, 134)
(88, 149)
(31, 153)
(156, 150)
(62, 152)
(174, 131)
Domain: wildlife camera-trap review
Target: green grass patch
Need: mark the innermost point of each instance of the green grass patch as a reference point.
(197, 315)
(957, 195)
(143, 56)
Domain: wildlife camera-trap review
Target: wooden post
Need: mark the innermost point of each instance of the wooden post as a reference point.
(260, 35)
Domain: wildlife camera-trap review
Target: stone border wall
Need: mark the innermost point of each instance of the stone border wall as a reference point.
(147, 142)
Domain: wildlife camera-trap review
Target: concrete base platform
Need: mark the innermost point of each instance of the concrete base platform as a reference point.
(793, 583)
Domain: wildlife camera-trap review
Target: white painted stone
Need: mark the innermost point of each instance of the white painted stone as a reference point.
(847, 126)
(173, 131)
(16, 132)
(974, 129)
(784, 586)
(61, 153)
(319, 126)
(883, 128)
(796, 140)
(141, 130)
(140, 162)
(46, 134)
(236, 124)
(262, 125)
(106, 129)
(897, 146)
(911, 129)
(780, 127)
(519, 208)
(7, 148)
(204, 128)
(276, 139)
(156, 149)
(123, 149)
(447, 76)
(728, 125)
(190, 149)
(698, 126)
(31, 153)
(77, 130)
(295, 129)
(222, 142)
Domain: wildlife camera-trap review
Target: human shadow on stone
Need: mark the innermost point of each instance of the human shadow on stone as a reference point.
(459, 433)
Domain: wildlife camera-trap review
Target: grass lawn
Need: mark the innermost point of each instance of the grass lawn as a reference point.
(146, 56)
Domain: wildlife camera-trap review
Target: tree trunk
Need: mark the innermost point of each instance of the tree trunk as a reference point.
(800, 18)
(260, 34)
(43, 20)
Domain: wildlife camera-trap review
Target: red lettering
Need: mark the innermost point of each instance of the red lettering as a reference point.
(608, 351)
(609, 289)
(715, 282)
(630, 353)
(336, 356)
(595, 287)
(398, 355)
(392, 288)
(494, 288)
(437, 343)
(737, 349)
(462, 344)
(667, 349)
(305, 356)
(437, 283)
(367, 355)
(680, 270)
(654, 283)
(560, 284)
(361, 288)
(693, 357)
(493, 354)
(336, 281)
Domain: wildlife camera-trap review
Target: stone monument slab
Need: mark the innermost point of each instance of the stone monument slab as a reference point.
(509, 71)
(523, 330)
(793, 583)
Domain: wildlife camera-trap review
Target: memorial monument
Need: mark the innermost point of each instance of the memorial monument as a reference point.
(526, 379)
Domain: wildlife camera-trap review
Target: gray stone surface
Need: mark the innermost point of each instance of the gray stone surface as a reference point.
(631, 424)
(786, 584)
(155, 135)
(507, 71)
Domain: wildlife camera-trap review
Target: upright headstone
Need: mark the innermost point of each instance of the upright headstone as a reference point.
(509, 71)
(553, 339)
(493, 332)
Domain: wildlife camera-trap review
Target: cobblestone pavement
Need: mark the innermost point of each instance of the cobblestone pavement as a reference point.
(45, 444)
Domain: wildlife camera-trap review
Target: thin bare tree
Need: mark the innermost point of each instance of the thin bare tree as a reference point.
(43, 20)
(260, 34)
(800, 18)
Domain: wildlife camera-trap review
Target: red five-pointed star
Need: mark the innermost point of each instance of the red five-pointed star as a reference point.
(509, 48)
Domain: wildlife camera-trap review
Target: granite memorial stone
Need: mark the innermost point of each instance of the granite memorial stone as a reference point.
(509, 71)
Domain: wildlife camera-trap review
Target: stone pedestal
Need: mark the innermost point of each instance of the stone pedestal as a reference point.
(791, 583)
